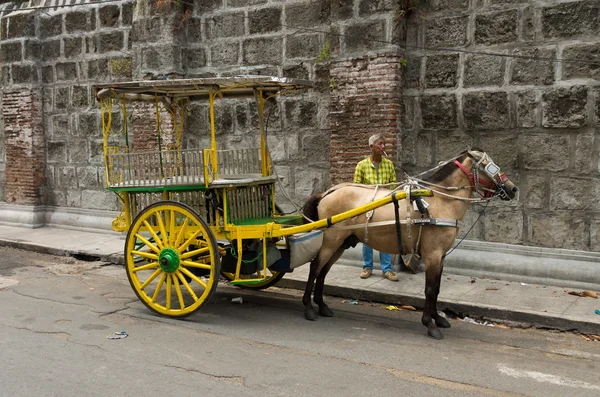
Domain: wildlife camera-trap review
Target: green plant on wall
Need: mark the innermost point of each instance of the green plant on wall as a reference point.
(120, 67)
(325, 53)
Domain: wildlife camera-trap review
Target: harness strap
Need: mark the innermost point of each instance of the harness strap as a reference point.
(398, 231)
(441, 222)
(369, 215)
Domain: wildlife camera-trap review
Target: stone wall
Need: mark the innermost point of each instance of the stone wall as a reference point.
(538, 118)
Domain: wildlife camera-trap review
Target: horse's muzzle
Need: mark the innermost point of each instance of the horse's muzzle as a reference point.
(507, 190)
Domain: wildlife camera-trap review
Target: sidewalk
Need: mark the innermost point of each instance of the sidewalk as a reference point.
(489, 299)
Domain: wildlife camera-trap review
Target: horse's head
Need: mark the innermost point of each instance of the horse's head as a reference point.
(487, 179)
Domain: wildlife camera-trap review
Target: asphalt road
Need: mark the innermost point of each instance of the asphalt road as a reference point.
(56, 313)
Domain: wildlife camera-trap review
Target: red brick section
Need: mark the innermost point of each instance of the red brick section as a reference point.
(25, 148)
(366, 101)
(145, 138)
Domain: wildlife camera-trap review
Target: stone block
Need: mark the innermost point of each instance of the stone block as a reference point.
(307, 182)
(5, 76)
(526, 109)
(33, 50)
(447, 32)
(298, 71)
(597, 109)
(484, 70)
(112, 41)
(568, 193)
(365, 36)
(315, 147)
(226, 25)
(225, 54)
(303, 46)
(66, 71)
(91, 45)
(47, 75)
(24, 74)
(88, 177)
(536, 191)
(486, 110)
(98, 69)
(308, 14)
(193, 30)
(73, 198)
(528, 31)
(587, 53)
(450, 145)
(408, 119)
(60, 126)
(11, 52)
(62, 98)
(584, 152)
(441, 71)
(77, 21)
(443, 5)
(194, 58)
(161, 58)
(88, 124)
(502, 148)
(109, 15)
(99, 200)
(127, 14)
(530, 71)
(224, 118)
(66, 177)
(496, 27)
(56, 151)
(50, 27)
(558, 230)
(81, 96)
(570, 19)
(213, 5)
(342, 10)
(50, 50)
(412, 73)
(548, 152)
(369, 7)
(277, 148)
(262, 50)
(300, 113)
(96, 150)
(18, 25)
(264, 20)
(503, 226)
(196, 120)
(438, 112)
(241, 117)
(424, 149)
(73, 46)
(565, 107)
(78, 152)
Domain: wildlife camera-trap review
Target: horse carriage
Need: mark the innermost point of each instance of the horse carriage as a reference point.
(193, 214)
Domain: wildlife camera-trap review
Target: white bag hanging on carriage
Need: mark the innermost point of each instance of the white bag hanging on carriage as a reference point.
(304, 247)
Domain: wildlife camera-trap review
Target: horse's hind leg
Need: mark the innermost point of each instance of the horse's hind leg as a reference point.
(440, 321)
(309, 311)
(324, 310)
(433, 272)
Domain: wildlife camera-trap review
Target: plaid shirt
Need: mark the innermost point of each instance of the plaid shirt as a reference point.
(367, 174)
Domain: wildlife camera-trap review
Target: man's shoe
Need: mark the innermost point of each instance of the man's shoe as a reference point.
(391, 276)
(366, 273)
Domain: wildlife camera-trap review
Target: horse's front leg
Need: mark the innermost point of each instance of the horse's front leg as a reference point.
(309, 311)
(440, 321)
(324, 310)
(433, 272)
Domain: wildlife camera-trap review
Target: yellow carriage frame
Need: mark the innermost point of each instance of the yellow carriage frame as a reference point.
(172, 251)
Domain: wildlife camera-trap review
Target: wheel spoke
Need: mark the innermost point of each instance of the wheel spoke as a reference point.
(188, 242)
(186, 285)
(192, 276)
(199, 251)
(148, 243)
(151, 265)
(196, 264)
(150, 279)
(181, 232)
(154, 235)
(172, 227)
(178, 291)
(161, 226)
(159, 287)
(145, 254)
(168, 300)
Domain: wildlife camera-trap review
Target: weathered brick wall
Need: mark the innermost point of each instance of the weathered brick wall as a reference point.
(537, 118)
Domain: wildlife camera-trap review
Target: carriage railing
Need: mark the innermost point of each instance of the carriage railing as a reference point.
(248, 203)
(177, 167)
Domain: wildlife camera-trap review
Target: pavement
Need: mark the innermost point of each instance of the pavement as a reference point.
(478, 298)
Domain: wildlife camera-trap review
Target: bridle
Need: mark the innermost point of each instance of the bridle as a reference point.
(484, 164)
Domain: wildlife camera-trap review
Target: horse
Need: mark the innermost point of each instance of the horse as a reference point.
(453, 183)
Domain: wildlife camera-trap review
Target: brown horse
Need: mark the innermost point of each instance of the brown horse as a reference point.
(453, 183)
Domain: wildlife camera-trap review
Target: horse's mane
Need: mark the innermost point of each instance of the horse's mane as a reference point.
(449, 168)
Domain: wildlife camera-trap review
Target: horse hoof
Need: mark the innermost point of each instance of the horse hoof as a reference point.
(310, 315)
(435, 334)
(325, 312)
(441, 322)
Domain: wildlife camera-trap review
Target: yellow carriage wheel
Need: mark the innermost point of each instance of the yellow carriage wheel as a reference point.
(172, 258)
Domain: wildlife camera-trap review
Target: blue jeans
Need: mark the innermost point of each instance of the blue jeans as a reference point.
(385, 260)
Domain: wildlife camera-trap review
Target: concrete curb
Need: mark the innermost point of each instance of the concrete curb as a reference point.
(116, 259)
(522, 318)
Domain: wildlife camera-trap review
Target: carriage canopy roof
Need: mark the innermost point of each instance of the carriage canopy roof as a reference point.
(200, 88)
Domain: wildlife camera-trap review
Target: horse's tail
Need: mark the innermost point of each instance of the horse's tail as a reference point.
(310, 207)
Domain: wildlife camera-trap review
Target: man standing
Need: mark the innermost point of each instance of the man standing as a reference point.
(376, 170)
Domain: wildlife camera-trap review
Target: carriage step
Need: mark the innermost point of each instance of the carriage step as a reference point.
(249, 281)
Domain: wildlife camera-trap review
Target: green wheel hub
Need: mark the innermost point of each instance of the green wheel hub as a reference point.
(168, 260)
